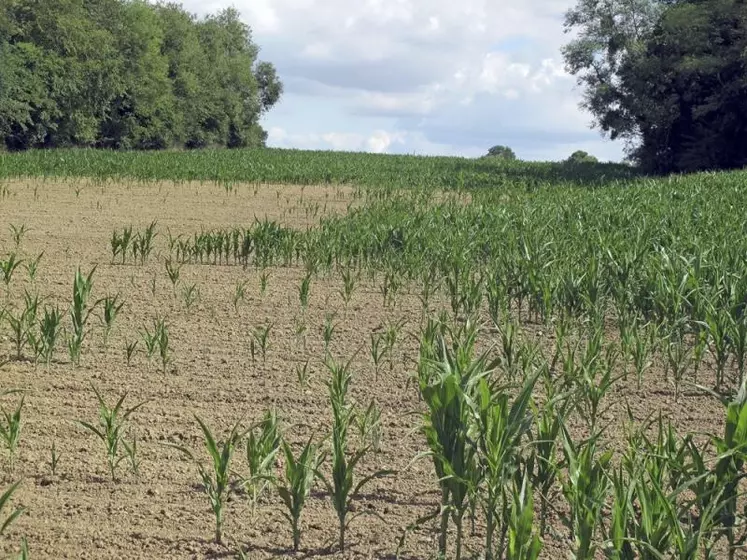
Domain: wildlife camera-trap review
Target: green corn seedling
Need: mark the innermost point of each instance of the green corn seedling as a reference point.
(216, 479)
(4, 501)
(32, 266)
(190, 295)
(303, 292)
(239, 294)
(79, 313)
(328, 331)
(111, 427)
(342, 486)
(130, 348)
(18, 233)
(523, 541)
(10, 428)
(173, 271)
(54, 459)
(112, 306)
(261, 338)
(262, 448)
(295, 487)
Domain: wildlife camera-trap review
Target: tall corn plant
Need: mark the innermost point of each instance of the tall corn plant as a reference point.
(294, 488)
(447, 385)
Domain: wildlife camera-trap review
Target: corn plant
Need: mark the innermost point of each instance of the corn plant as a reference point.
(130, 348)
(370, 427)
(79, 313)
(10, 428)
(130, 450)
(447, 384)
(342, 486)
(17, 233)
(8, 267)
(585, 488)
(349, 283)
(260, 339)
(190, 295)
(262, 448)
(173, 271)
(502, 425)
(142, 244)
(239, 294)
(294, 488)
(22, 324)
(378, 349)
(523, 542)
(303, 376)
(4, 501)
(216, 480)
(32, 266)
(303, 292)
(111, 428)
(392, 331)
(264, 279)
(112, 306)
(54, 459)
(120, 243)
(328, 331)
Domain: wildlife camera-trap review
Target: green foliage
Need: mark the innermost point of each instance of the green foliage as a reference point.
(129, 75)
(501, 152)
(654, 76)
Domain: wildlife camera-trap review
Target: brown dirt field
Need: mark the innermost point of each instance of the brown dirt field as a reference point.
(81, 513)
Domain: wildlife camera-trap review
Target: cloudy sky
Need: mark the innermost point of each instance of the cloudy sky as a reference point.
(420, 76)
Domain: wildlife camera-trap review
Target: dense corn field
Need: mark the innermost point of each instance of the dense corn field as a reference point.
(509, 361)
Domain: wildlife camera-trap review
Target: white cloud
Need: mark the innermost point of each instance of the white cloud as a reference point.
(384, 75)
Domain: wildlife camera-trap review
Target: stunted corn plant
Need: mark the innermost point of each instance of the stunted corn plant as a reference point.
(8, 267)
(22, 324)
(32, 266)
(111, 428)
(523, 541)
(216, 479)
(260, 340)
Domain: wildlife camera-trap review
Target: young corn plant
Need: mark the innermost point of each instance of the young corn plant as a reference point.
(264, 280)
(4, 501)
(112, 306)
(130, 348)
(342, 486)
(173, 271)
(54, 459)
(295, 487)
(10, 428)
(349, 283)
(32, 267)
(18, 233)
(260, 339)
(502, 425)
(447, 385)
(303, 292)
(303, 376)
(585, 488)
(328, 331)
(22, 324)
(111, 428)
(523, 541)
(216, 480)
(262, 448)
(378, 349)
(239, 294)
(8, 267)
(190, 295)
(370, 427)
(79, 314)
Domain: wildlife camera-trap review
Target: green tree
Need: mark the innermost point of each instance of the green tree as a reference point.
(668, 77)
(501, 152)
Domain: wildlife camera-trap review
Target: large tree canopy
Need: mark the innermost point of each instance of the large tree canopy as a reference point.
(667, 76)
(129, 74)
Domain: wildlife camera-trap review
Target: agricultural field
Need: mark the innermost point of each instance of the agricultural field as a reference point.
(275, 353)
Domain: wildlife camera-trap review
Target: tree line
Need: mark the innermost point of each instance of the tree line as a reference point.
(669, 77)
(127, 74)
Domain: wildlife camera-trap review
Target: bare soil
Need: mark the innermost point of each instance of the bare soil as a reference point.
(81, 513)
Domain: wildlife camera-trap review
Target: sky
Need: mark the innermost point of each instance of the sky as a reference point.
(437, 77)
